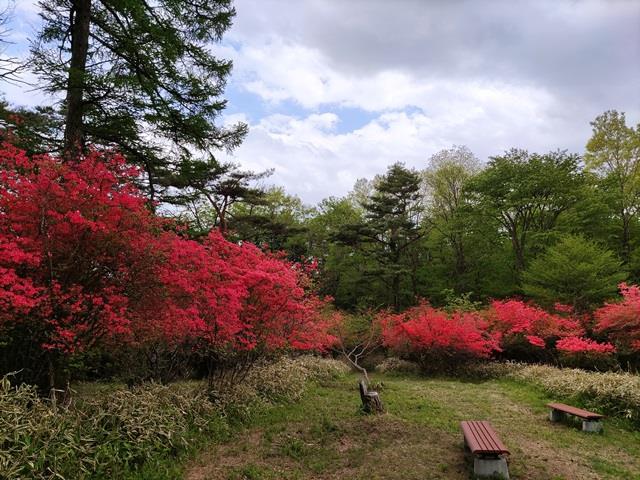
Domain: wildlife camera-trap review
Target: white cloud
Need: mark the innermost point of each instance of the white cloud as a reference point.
(314, 161)
(489, 75)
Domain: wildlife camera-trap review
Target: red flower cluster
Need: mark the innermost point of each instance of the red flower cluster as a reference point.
(584, 345)
(423, 328)
(514, 318)
(621, 321)
(84, 259)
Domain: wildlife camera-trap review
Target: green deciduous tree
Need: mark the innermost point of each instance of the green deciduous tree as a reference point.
(574, 271)
(445, 180)
(613, 152)
(527, 193)
(139, 75)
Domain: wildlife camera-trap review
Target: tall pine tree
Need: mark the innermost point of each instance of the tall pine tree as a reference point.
(139, 75)
(392, 229)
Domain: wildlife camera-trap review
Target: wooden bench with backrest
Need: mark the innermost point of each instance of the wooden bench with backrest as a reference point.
(591, 422)
(371, 402)
(489, 453)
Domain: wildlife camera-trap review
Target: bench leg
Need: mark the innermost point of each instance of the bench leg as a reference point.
(556, 415)
(591, 426)
(491, 467)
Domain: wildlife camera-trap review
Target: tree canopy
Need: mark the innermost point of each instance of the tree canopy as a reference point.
(140, 76)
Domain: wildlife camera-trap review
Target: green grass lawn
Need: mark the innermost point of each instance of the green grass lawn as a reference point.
(325, 436)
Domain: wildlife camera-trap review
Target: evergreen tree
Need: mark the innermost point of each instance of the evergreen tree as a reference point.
(575, 271)
(141, 76)
(392, 226)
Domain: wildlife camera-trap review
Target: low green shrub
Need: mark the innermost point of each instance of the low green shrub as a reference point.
(607, 392)
(281, 381)
(322, 369)
(487, 370)
(102, 436)
(397, 365)
(111, 432)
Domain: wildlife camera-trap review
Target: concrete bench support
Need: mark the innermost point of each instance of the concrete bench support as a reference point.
(491, 467)
(556, 415)
(489, 453)
(594, 426)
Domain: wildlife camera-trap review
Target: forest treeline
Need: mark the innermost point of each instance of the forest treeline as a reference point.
(553, 227)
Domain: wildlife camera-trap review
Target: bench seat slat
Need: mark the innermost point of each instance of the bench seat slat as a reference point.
(578, 412)
(482, 439)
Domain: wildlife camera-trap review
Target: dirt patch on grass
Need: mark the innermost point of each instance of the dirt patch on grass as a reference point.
(366, 447)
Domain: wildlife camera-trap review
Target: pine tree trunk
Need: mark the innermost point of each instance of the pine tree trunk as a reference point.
(74, 127)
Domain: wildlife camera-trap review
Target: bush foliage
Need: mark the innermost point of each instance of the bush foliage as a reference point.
(110, 434)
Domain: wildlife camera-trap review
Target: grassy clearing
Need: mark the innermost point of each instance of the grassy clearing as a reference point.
(325, 436)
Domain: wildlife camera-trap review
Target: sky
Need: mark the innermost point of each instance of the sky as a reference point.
(336, 90)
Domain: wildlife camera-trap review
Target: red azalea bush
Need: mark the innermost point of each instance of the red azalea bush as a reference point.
(66, 231)
(434, 338)
(525, 329)
(584, 345)
(237, 297)
(84, 262)
(581, 352)
(621, 321)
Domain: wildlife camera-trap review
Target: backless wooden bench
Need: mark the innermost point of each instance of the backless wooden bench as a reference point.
(591, 422)
(489, 453)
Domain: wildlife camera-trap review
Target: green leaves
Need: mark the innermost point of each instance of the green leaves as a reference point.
(151, 84)
(527, 193)
(575, 271)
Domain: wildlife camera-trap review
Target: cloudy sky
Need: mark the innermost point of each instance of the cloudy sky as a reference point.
(336, 90)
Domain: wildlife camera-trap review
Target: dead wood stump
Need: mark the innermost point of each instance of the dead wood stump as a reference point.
(371, 402)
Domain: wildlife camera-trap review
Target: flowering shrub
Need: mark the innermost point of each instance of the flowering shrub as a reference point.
(429, 335)
(84, 262)
(525, 329)
(584, 345)
(67, 234)
(535, 341)
(621, 321)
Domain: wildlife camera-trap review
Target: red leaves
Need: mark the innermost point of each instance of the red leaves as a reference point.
(82, 256)
(621, 321)
(423, 328)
